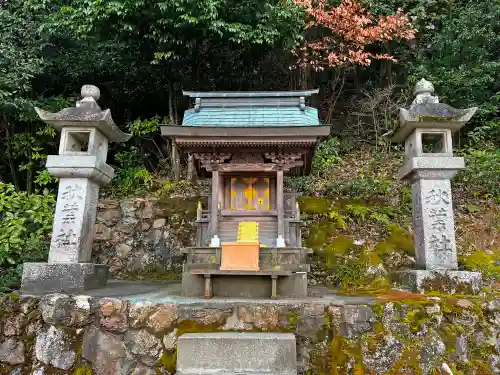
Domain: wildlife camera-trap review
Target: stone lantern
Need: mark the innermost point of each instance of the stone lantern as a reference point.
(81, 166)
(429, 165)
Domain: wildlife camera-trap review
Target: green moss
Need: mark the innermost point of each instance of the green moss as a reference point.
(347, 275)
(191, 326)
(338, 355)
(314, 205)
(371, 258)
(339, 246)
(83, 370)
(14, 297)
(401, 239)
(482, 262)
(445, 284)
(168, 361)
(320, 234)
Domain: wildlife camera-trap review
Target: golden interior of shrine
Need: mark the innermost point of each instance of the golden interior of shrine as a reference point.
(248, 194)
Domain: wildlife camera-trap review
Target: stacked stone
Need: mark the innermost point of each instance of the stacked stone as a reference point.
(62, 334)
(134, 237)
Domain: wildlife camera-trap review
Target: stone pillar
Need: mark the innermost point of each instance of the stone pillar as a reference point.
(429, 166)
(82, 169)
(433, 224)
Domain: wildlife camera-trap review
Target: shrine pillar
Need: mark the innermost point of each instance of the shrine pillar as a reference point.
(214, 215)
(279, 201)
(82, 169)
(429, 166)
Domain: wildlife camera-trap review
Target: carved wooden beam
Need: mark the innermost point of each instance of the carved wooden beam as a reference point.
(285, 160)
(211, 160)
(248, 167)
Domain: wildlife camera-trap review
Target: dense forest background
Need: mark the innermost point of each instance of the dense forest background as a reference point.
(143, 53)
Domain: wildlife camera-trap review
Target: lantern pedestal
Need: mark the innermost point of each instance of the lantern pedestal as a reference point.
(445, 281)
(63, 277)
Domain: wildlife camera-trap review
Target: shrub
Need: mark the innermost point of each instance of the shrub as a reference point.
(26, 221)
(361, 188)
(482, 173)
(131, 176)
(327, 154)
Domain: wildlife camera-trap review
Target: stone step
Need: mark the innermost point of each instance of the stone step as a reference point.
(234, 353)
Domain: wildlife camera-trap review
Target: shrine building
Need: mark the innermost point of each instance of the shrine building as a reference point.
(248, 240)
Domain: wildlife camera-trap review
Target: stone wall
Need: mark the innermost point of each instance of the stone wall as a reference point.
(143, 236)
(80, 335)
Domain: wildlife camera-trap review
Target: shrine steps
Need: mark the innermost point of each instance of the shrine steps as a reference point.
(268, 229)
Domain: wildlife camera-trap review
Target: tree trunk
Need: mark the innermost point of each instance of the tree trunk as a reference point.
(173, 121)
(8, 152)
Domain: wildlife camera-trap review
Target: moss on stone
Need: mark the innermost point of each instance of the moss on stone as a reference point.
(83, 370)
(483, 262)
(338, 355)
(14, 297)
(191, 326)
(400, 239)
(339, 246)
(168, 361)
(445, 284)
(320, 234)
(314, 205)
(371, 258)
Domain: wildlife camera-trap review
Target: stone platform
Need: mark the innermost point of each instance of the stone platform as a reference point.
(170, 292)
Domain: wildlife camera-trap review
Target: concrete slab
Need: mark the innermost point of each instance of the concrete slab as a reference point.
(234, 353)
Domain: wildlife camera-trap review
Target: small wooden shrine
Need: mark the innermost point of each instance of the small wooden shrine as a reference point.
(248, 241)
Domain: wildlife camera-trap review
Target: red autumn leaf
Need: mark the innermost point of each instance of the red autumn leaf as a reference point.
(344, 32)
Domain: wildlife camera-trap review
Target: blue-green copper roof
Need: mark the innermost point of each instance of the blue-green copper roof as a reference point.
(251, 116)
(251, 109)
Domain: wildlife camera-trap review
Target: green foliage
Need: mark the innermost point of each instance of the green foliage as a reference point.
(357, 211)
(300, 184)
(131, 176)
(174, 28)
(26, 221)
(361, 188)
(483, 262)
(482, 173)
(327, 154)
(459, 48)
(346, 274)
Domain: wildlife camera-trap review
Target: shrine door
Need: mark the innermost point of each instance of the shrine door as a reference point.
(250, 193)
